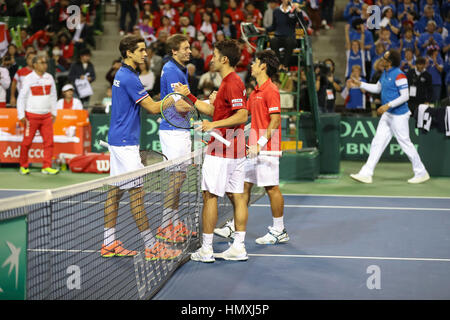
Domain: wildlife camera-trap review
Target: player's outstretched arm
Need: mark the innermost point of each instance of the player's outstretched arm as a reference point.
(151, 105)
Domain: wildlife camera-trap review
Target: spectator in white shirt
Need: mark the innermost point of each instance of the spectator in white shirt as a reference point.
(68, 101)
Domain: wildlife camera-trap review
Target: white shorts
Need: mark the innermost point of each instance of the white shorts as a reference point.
(176, 144)
(262, 171)
(125, 159)
(221, 175)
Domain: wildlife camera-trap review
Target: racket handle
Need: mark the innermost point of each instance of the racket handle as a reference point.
(104, 144)
(220, 138)
(271, 153)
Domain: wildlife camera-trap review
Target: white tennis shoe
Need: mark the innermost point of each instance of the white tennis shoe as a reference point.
(361, 178)
(419, 179)
(233, 253)
(227, 231)
(273, 237)
(203, 255)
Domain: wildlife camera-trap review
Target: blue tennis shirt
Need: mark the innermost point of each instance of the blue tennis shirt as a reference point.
(392, 81)
(172, 73)
(127, 92)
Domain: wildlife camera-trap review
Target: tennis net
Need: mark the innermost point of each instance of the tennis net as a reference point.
(65, 229)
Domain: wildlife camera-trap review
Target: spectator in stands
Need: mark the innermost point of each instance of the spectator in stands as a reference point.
(354, 52)
(210, 79)
(409, 60)
(405, 7)
(66, 46)
(68, 101)
(208, 27)
(204, 45)
(228, 28)
(5, 81)
(112, 71)
(242, 66)
(187, 28)
(197, 60)
(430, 38)
(313, 11)
(213, 11)
(10, 63)
(420, 85)
(192, 79)
(146, 31)
(355, 99)
(432, 3)
(327, 86)
(257, 16)
(107, 100)
(429, 15)
(19, 77)
(127, 7)
(82, 35)
(283, 25)
(377, 71)
(435, 66)
(409, 41)
(166, 26)
(170, 12)
(389, 22)
(154, 60)
(193, 14)
(358, 27)
(82, 69)
(160, 44)
(385, 39)
(58, 67)
(236, 14)
(146, 76)
(220, 36)
(40, 15)
(268, 14)
(352, 10)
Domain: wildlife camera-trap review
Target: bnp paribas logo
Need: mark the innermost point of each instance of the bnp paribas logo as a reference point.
(12, 261)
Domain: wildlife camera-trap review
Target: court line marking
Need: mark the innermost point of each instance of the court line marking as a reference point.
(353, 207)
(279, 255)
(359, 196)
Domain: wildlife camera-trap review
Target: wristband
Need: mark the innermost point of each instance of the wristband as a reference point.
(192, 98)
(262, 141)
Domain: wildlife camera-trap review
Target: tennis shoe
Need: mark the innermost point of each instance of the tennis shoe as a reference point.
(419, 179)
(233, 253)
(161, 251)
(116, 250)
(49, 171)
(170, 234)
(273, 237)
(360, 178)
(203, 255)
(227, 231)
(184, 231)
(24, 170)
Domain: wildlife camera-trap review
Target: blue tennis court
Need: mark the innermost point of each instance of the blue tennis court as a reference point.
(341, 247)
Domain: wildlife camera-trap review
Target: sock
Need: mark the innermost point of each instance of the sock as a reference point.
(175, 217)
(207, 240)
(166, 217)
(109, 236)
(278, 224)
(239, 238)
(149, 241)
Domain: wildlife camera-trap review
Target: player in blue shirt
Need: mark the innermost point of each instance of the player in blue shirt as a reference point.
(128, 96)
(175, 142)
(394, 120)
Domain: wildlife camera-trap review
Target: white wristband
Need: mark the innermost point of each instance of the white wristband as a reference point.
(262, 141)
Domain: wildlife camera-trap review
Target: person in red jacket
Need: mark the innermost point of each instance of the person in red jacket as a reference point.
(235, 13)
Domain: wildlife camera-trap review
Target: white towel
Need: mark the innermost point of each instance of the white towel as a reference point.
(423, 118)
(447, 121)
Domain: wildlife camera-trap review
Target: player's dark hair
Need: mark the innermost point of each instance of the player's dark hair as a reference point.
(269, 58)
(421, 60)
(174, 42)
(129, 43)
(229, 48)
(394, 57)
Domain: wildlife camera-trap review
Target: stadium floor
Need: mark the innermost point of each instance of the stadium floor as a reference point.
(388, 240)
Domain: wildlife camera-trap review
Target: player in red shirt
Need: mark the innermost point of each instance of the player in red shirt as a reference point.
(264, 107)
(223, 167)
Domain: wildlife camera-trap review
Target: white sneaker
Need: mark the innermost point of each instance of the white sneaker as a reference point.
(233, 253)
(419, 179)
(361, 178)
(203, 255)
(273, 237)
(227, 231)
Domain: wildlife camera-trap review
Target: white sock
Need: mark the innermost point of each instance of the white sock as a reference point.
(175, 217)
(278, 224)
(109, 236)
(208, 240)
(166, 217)
(239, 239)
(149, 241)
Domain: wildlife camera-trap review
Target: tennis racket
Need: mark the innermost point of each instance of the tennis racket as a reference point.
(185, 120)
(148, 157)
